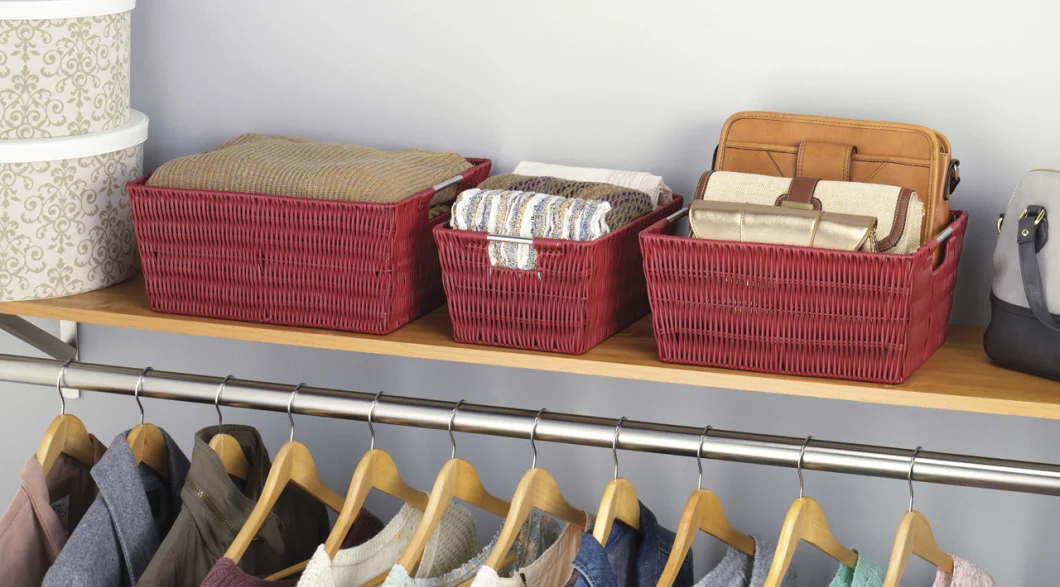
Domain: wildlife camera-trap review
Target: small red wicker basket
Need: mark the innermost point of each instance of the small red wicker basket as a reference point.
(580, 294)
(354, 266)
(799, 311)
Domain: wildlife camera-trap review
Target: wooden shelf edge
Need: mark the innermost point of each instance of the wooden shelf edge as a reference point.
(958, 377)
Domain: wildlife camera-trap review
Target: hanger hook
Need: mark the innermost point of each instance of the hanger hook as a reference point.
(217, 401)
(290, 404)
(912, 463)
(136, 392)
(699, 454)
(614, 444)
(59, 386)
(533, 433)
(452, 417)
(802, 456)
(371, 411)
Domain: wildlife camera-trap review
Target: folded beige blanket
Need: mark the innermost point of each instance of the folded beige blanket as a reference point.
(303, 168)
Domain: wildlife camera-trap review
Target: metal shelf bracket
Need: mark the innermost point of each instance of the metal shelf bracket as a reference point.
(62, 347)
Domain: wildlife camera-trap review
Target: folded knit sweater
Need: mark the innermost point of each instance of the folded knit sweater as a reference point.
(303, 168)
(627, 204)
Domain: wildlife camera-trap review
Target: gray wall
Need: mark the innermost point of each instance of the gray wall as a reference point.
(622, 84)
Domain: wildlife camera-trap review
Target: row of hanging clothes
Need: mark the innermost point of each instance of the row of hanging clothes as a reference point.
(139, 513)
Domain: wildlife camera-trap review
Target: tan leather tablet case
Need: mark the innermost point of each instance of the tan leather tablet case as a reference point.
(839, 149)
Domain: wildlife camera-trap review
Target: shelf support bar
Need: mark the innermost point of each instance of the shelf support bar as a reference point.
(63, 347)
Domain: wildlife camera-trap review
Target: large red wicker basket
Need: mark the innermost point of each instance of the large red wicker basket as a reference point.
(354, 266)
(581, 293)
(799, 311)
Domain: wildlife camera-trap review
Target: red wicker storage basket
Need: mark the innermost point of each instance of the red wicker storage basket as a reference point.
(580, 294)
(799, 311)
(355, 266)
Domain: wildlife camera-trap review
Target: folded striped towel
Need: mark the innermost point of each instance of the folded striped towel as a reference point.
(528, 215)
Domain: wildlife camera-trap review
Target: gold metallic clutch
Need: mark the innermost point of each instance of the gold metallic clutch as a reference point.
(781, 225)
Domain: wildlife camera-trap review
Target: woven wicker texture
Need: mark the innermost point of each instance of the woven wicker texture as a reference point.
(353, 266)
(799, 311)
(581, 293)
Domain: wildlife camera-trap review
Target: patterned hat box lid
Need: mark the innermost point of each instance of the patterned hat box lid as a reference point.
(64, 67)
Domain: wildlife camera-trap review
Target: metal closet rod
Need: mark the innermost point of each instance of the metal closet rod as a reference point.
(743, 447)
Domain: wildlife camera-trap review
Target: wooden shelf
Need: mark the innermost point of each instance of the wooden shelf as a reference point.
(958, 377)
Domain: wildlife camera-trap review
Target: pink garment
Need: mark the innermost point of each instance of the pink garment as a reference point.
(43, 513)
(965, 574)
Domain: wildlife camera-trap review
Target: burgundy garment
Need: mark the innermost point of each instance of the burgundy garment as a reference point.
(226, 573)
(365, 527)
(43, 513)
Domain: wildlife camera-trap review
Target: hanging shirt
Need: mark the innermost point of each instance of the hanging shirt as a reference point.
(399, 576)
(736, 569)
(124, 526)
(543, 559)
(965, 574)
(631, 558)
(454, 541)
(215, 507)
(42, 514)
(866, 573)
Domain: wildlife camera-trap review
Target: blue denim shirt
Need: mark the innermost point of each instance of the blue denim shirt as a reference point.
(630, 559)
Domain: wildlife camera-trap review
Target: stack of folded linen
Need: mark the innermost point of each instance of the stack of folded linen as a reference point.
(561, 206)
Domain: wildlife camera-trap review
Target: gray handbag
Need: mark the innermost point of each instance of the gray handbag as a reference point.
(1024, 332)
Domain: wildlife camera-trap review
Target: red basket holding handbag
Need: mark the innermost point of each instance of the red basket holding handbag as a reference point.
(796, 310)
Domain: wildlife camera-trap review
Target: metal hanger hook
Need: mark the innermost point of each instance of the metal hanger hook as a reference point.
(217, 401)
(371, 411)
(452, 417)
(699, 454)
(533, 433)
(802, 456)
(614, 444)
(909, 479)
(290, 404)
(59, 386)
(136, 392)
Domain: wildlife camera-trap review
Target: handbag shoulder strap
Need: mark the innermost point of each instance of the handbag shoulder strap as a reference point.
(1031, 234)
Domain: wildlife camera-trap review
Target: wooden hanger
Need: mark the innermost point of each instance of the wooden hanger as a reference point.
(914, 537)
(65, 435)
(537, 489)
(146, 441)
(458, 479)
(619, 501)
(703, 512)
(805, 522)
(293, 464)
(226, 446)
(376, 470)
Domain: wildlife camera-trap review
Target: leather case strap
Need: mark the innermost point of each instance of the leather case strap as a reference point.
(826, 161)
(1031, 234)
(800, 194)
